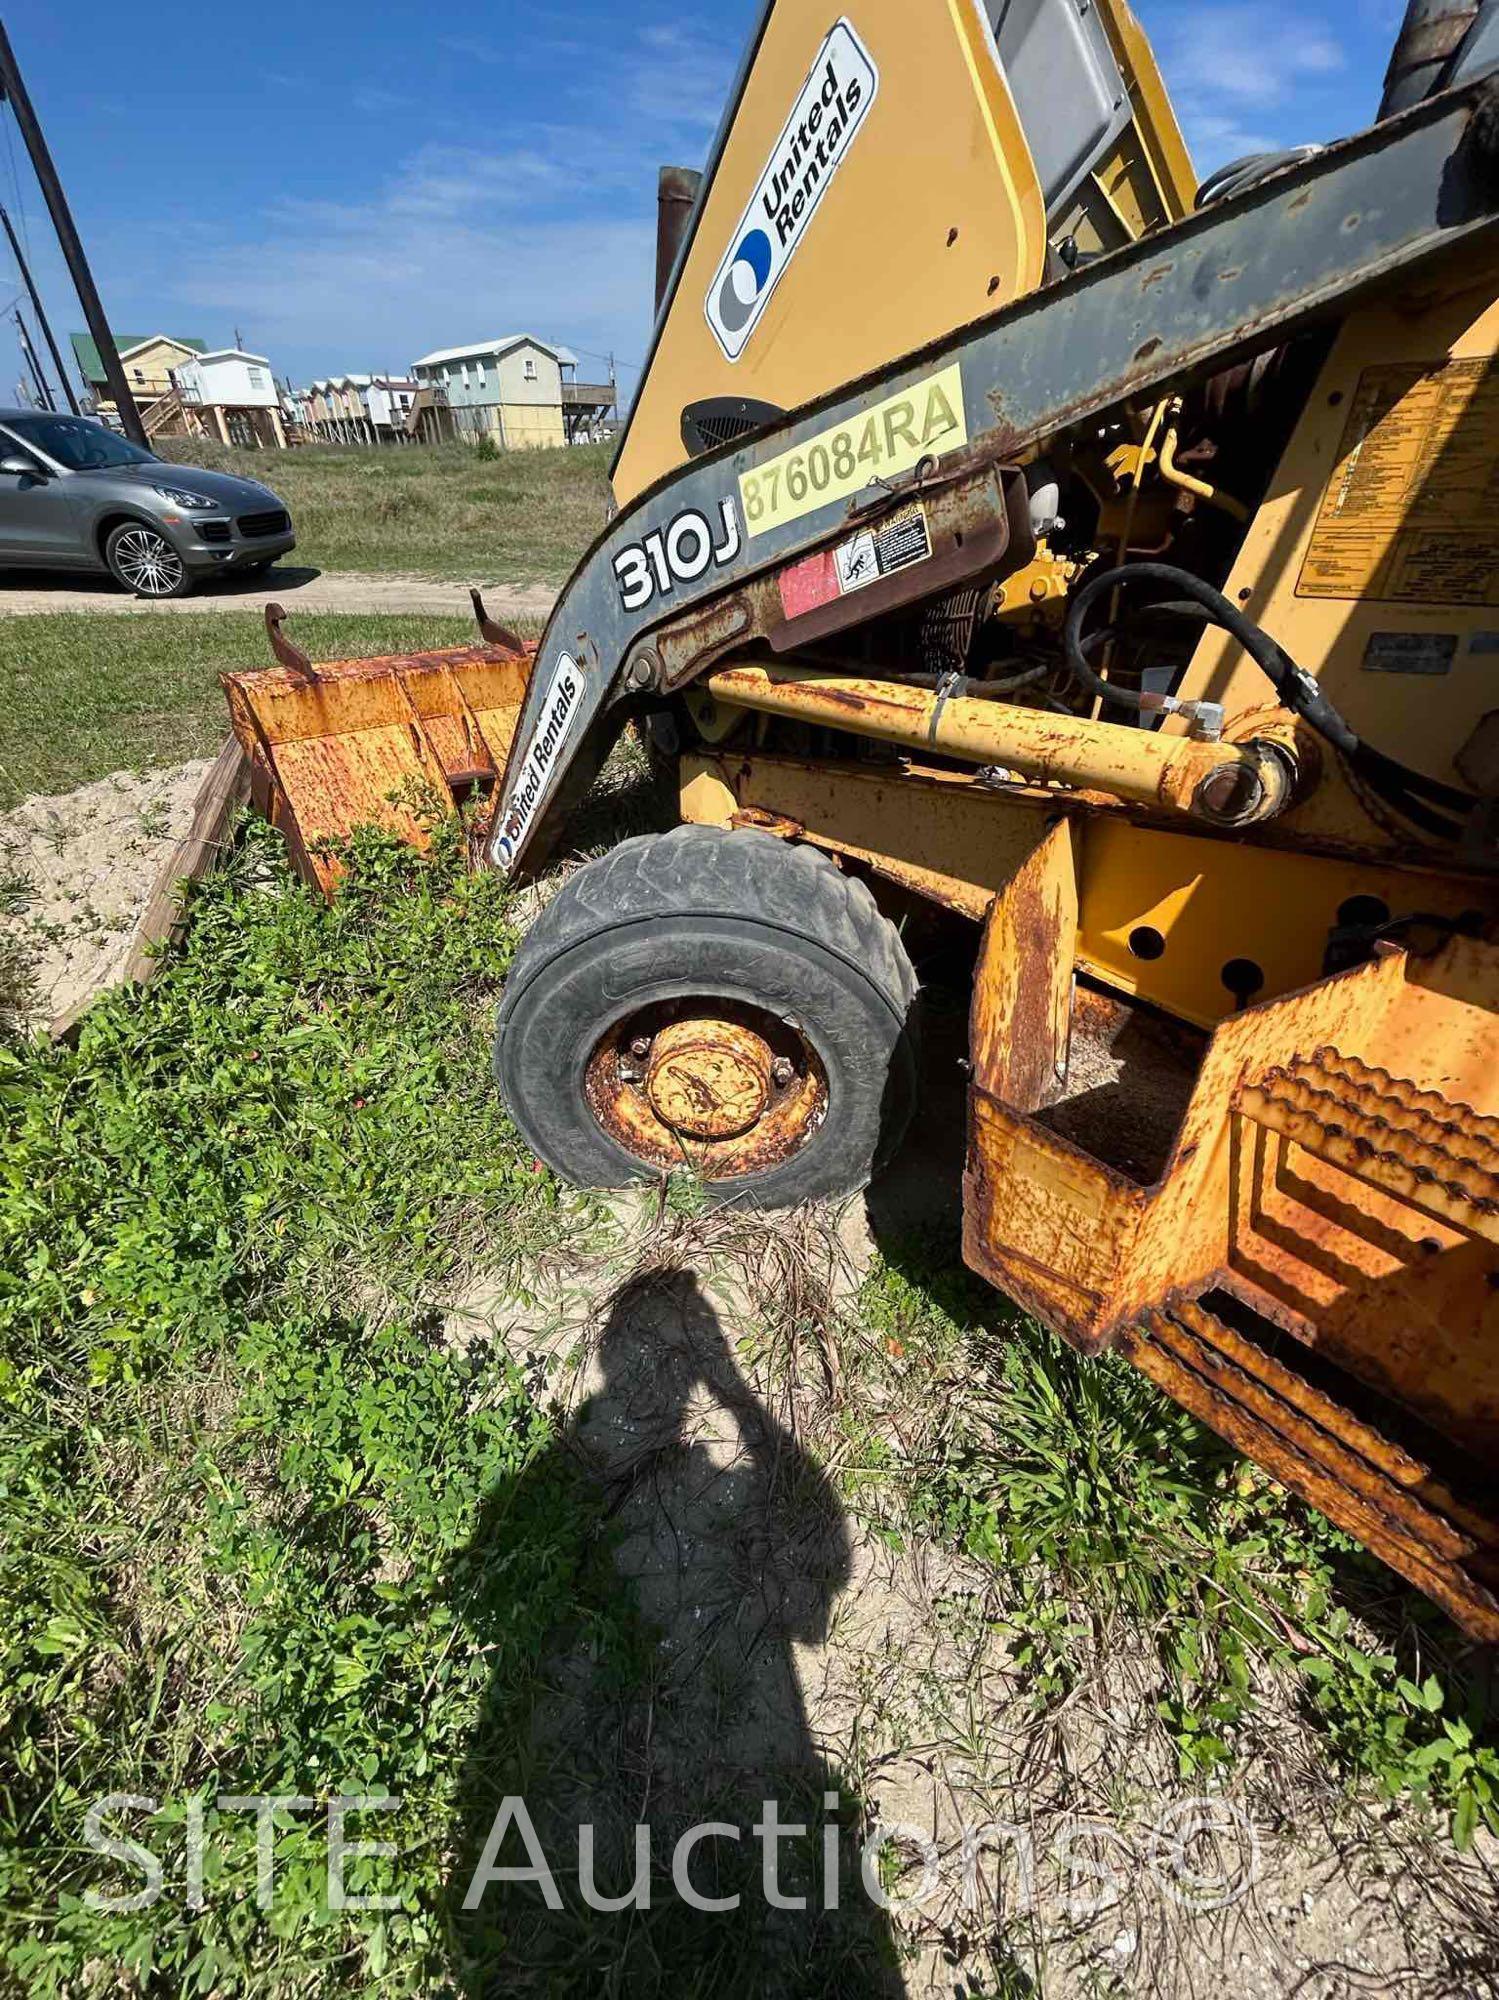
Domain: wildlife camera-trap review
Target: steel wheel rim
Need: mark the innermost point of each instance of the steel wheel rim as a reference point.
(148, 562)
(768, 1083)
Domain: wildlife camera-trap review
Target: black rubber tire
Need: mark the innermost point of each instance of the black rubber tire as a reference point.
(185, 581)
(703, 911)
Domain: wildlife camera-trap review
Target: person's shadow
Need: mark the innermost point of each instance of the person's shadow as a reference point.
(696, 1545)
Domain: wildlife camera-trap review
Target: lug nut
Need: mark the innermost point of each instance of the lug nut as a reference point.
(781, 1070)
(641, 1046)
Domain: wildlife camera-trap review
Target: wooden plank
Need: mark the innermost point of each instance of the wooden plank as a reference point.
(225, 787)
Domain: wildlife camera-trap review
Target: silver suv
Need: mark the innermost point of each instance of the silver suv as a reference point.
(73, 495)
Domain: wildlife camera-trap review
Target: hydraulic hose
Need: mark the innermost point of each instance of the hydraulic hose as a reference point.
(1426, 802)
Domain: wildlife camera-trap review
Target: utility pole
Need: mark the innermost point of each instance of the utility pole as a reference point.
(28, 353)
(41, 317)
(12, 87)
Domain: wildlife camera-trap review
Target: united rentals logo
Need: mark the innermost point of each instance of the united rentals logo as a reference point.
(814, 142)
(558, 711)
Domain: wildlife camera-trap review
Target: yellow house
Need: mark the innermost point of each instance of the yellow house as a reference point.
(508, 389)
(147, 359)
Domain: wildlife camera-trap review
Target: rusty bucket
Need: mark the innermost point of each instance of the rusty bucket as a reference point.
(337, 744)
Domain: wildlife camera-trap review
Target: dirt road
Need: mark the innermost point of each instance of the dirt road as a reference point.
(31, 593)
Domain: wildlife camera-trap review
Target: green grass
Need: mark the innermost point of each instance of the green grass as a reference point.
(82, 695)
(1110, 1515)
(433, 510)
(240, 1472)
(264, 1529)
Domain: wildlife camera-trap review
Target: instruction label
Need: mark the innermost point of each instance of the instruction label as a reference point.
(891, 437)
(1411, 512)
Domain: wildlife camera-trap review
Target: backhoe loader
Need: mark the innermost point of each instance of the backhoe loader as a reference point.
(1009, 527)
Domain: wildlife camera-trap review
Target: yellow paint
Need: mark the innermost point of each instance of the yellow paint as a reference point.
(934, 217)
(1167, 161)
(894, 436)
(952, 839)
(1413, 519)
(1389, 527)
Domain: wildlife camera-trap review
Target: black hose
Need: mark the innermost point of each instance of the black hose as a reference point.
(1027, 677)
(1409, 792)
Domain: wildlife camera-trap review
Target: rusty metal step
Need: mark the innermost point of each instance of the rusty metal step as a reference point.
(1322, 1450)
(1441, 1157)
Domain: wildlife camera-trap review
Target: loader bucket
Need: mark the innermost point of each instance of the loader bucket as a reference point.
(338, 744)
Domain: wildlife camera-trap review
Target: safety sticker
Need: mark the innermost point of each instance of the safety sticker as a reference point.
(813, 145)
(853, 565)
(560, 709)
(1408, 515)
(890, 437)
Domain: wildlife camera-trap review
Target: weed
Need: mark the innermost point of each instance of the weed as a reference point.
(240, 1468)
(1110, 1512)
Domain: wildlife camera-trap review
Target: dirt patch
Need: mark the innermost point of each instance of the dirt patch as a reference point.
(714, 1382)
(30, 595)
(75, 873)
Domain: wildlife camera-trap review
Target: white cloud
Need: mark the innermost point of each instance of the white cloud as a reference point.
(1249, 78)
(374, 100)
(551, 230)
(680, 77)
(375, 284)
(1255, 55)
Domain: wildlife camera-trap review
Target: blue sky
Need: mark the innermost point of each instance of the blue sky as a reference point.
(353, 186)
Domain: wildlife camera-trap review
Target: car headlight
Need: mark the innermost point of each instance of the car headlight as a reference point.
(196, 503)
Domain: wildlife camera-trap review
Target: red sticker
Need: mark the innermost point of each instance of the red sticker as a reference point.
(807, 585)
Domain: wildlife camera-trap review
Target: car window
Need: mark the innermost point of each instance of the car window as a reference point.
(77, 443)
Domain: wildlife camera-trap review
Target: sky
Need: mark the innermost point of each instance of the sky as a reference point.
(353, 186)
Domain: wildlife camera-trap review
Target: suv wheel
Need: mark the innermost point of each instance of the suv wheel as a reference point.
(145, 562)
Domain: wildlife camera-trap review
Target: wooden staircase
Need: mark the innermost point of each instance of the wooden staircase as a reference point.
(164, 417)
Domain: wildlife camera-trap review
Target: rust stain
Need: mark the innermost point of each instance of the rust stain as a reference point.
(330, 751)
(1443, 1158)
(685, 1082)
(1317, 1448)
(1336, 1191)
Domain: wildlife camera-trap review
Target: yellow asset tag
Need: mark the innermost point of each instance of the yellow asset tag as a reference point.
(922, 422)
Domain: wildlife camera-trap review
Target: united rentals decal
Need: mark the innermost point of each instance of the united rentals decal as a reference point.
(563, 703)
(814, 142)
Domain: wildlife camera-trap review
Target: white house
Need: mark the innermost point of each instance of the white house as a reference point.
(236, 395)
(359, 409)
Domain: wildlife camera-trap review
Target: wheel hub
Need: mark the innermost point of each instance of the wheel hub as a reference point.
(729, 1088)
(708, 1078)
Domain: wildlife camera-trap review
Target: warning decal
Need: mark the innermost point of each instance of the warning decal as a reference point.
(852, 565)
(1411, 512)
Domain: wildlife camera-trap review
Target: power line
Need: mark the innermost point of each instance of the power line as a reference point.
(15, 177)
